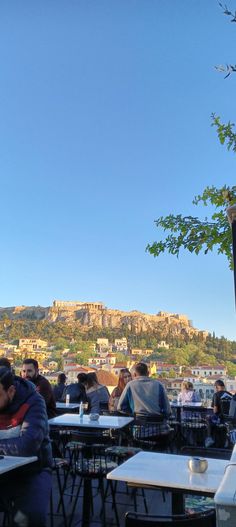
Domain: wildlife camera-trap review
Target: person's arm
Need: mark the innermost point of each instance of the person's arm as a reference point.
(45, 389)
(125, 403)
(32, 431)
(215, 404)
(164, 402)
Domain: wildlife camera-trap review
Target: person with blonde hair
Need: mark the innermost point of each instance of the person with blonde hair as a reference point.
(188, 394)
(124, 378)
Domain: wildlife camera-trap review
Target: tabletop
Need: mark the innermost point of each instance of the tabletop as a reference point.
(104, 421)
(70, 406)
(8, 463)
(169, 471)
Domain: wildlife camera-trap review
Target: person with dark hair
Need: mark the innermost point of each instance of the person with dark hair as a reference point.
(30, 371)
(59, 388)
(24, 432)
(124, 378)
(144, 396)
(5, 362)
(97, 394)
(76, 390)
(220, 396)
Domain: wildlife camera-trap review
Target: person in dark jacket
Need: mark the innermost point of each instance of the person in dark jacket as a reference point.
(30, 371)
(76, 390)
(24, 432)
(59, 387)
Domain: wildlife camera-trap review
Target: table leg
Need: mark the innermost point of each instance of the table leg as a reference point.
(87, 497)
(177, 503)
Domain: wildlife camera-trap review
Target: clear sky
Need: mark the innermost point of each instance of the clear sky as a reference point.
(104, 126)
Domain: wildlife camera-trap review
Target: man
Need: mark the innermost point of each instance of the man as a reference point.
(76, 390)
(145, 396)
(59, 388)
(220, 398)
(30, 371)
(24, 432)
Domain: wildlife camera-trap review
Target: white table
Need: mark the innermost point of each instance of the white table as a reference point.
(170, 472)
(12, 462)
(104, 421)
(225, 497)
(69, 406)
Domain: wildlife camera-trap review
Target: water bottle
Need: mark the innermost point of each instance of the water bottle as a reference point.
(81, 410)
(67, 399)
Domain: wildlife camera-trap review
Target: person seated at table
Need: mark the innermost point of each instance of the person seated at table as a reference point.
(76, 390)
(188, 395)
(24, 432)
(97, 394)
(145, 396)
(59, 388)
(221, 395)
(30, 371)
(124, 378)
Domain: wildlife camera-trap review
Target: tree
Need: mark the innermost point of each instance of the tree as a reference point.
(195, 234)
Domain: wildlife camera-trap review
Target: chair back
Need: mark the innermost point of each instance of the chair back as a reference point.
(215, 453)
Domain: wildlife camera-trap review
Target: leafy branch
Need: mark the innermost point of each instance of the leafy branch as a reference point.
(194, 234)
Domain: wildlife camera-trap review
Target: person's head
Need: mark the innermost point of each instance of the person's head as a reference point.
(30, 369)
(140, 370)
(219, 385)
(5, 362)
(91, 380)
(82, 378)
(7, 387)
(124, 378)
(187, 385)
(61, 379)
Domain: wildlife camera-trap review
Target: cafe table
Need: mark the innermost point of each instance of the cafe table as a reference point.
(169, 472)
(104, 422)
(69, 407)
(8, 463)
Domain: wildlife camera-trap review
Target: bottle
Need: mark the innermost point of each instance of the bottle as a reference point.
(67, 399)
(81, 410)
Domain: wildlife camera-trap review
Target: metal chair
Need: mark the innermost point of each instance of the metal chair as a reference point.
(208, 519)
(93, 464)
(151, 432)
(215, 453)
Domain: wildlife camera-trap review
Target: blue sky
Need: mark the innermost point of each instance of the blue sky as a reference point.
(105, 126)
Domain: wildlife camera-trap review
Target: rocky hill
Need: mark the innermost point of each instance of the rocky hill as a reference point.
(94, 314)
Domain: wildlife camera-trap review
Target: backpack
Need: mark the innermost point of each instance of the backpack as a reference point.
(232, 407)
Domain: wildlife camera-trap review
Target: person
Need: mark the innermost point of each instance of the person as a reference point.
(24, 432)
(30, 371)
(97, 394)
(76, 390)
(124, 378)
(188, 394)
(5, 362)
(59, 388)
(145, 396)
(220, 396)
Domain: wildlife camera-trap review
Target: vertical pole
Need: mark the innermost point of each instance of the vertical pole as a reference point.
(234, 254)
(231, 213)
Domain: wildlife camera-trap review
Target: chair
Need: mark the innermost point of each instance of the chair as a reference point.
(93, 464)
(215, 453)
(194, 425)
(151, 432)
(208, 519)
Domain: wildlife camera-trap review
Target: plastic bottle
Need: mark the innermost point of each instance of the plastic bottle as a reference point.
(67, 399)
(81, 410)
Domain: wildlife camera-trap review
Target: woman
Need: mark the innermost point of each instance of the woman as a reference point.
(188, 394)
(97, 394)
(124, 378)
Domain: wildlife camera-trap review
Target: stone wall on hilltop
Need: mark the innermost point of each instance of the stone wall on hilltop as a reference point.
(89, 315)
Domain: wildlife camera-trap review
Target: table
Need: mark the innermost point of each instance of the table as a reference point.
(170, 472)
(67, 406)
(104, 422)
(12, 462)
